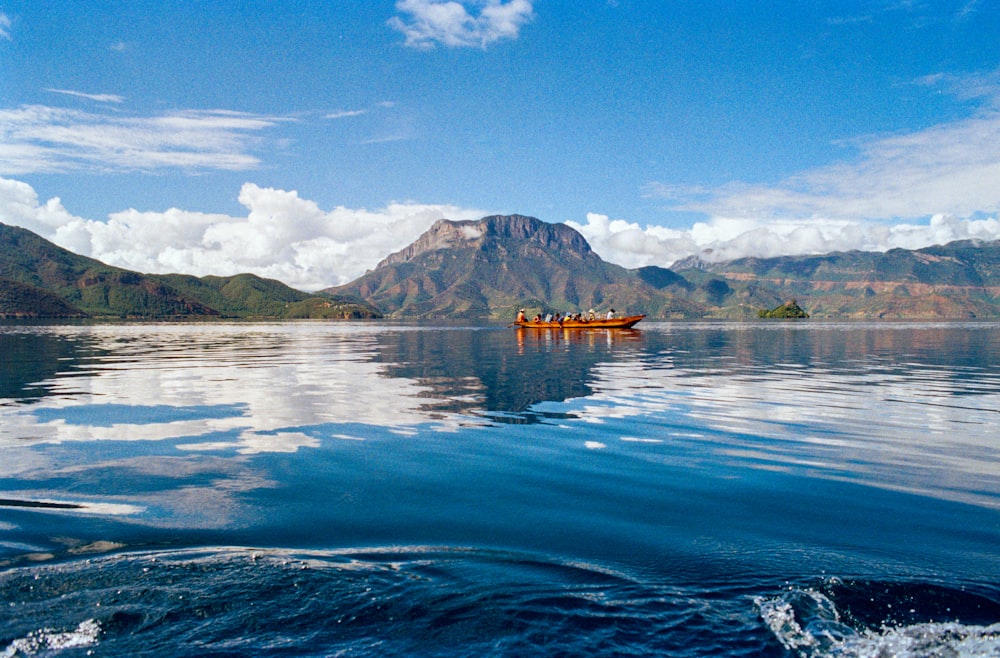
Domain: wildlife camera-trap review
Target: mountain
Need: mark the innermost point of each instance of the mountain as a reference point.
(493, 266)
(246, 295)
(40, 279)
(957, 280)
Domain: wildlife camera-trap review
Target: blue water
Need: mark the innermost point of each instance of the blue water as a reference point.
(379, 489)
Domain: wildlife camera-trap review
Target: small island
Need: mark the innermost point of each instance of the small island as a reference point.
(788, 310)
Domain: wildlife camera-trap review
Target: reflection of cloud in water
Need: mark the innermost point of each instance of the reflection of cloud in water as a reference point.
(208, 498)
(276, 376)
(251, 443)
(211, 389)
(277, 388)
(910, 430)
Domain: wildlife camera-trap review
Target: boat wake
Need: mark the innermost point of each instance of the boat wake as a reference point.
(47, 641)
(456, 601)
(448, 601)
(869, 619)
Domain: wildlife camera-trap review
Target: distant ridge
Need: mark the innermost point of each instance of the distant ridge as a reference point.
(959, 280)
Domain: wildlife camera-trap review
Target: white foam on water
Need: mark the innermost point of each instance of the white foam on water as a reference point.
(921, 640)
(48, 640)
(807, 623)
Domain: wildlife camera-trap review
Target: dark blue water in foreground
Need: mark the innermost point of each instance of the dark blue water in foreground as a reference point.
(801, 489)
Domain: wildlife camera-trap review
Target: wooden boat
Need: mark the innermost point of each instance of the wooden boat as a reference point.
(600, 323)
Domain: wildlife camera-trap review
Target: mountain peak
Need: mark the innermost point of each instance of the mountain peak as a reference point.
(448, 234)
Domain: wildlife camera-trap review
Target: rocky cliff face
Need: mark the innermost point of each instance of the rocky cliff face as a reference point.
(498, 229)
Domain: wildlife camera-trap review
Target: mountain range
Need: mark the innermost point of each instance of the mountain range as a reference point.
(493, 266)
(490, 268)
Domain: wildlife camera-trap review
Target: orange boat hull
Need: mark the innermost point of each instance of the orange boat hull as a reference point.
(616, 323)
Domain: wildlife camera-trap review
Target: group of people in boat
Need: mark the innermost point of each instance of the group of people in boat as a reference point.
(557, 318)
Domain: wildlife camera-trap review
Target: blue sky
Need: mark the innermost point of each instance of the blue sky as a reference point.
(307, 140)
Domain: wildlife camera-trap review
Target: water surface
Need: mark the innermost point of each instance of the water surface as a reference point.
(687, 489)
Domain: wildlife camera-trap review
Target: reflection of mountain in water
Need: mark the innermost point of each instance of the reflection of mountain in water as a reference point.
(497, 371)
(951, 351)
(31, 359)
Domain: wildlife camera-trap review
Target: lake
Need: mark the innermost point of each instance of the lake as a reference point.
(449, 489)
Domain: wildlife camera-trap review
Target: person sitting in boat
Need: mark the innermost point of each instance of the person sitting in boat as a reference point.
(611, 314)
(591, 315)
(548, 317)
(520, 316)
(537, 318)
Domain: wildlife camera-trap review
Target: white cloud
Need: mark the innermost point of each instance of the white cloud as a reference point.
(905, 190)
(100, 98)
(430, 22)
(42, 139)
(19, 206)
(343, 114)
(726, 238)
(272, 406)
(286, 237)
(4, 26)
(947, 169)
(282, 236)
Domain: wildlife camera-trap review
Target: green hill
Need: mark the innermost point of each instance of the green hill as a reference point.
(40, 279)
(20, 300)
(96, 289)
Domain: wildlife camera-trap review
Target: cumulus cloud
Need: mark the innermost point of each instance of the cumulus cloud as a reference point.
(725, 238)
(426, 23)
(282, 235)
(42, 139)
(292, 239)
(19, 206)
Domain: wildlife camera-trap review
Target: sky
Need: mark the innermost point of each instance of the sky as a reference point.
(306, 140)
